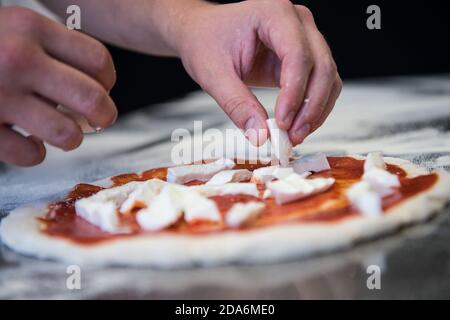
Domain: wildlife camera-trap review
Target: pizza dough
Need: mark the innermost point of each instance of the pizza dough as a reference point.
(20, 231)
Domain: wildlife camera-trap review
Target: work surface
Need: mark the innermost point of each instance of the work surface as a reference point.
(403, 117)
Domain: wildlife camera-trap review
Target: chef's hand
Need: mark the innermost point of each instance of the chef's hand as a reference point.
(43, 64)
(268, 43)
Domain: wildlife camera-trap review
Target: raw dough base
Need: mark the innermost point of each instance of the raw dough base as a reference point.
(20, 231)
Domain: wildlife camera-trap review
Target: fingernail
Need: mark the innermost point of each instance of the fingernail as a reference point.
(250, 124)
(252, 136)
(251, 132)
(263, 135)
(303, 132)
(288, 118)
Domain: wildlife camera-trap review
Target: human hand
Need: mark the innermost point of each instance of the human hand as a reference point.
(42, 65)
(268, 43)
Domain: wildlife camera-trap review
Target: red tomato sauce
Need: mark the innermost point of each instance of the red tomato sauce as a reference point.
(329, 207)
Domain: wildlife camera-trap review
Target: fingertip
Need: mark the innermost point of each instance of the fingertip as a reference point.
(115, 112)
(256, 131)
(107, 118)
(263, 132)
(36, 156)
(75, 142)
(262, 137)
(297, 136)
(116, 115)
(293, 138)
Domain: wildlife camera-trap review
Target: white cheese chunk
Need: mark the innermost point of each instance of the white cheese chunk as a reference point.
(143, 194)
(199, 208)
(374, 160)
(174, 200)
(364, 198)
(267, 174)
(99, 213)
(117, 194)
(242, 213)
(264, 174)
(200, 172)
(267, 194)
(100, 209)
(381, 180)
(227, 176)
(376, 183)
(227, 189)
(280, 143)
(305, 174)
(281, 173)
(295, 187)
(316, 163)
(165, 210)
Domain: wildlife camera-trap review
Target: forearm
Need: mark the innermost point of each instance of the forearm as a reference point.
(147, 26)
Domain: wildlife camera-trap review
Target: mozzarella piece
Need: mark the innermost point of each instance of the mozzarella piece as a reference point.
(281, 173)
(174, 200)
(376, 175)
(100, 214)
(143, 194)
(230, 176)
(295, 187)
(100, 209)
(382, 181)
(165, 210)
(242, 213)
(267, 194)
(227, 189)
(264, 174)
(200, 172)
(316, 163)
(267, 174)
(116, 194)
(305, 174)
(374, 160)
(376, 183)
(364, 198)
(199, 208)
(280, 143)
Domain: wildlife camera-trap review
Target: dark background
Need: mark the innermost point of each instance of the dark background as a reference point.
(413, 40)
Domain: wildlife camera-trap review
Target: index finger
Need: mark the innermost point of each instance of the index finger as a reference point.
(79, 51)
(288, 40)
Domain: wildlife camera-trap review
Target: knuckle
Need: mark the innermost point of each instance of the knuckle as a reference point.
(282, 3)
(94, 100)
(304, 57)
(270, 5)
(15, 56)
(24, 20)
(327, 67)
(304, 11)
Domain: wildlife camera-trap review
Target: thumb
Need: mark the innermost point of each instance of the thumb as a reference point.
(241, 105)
